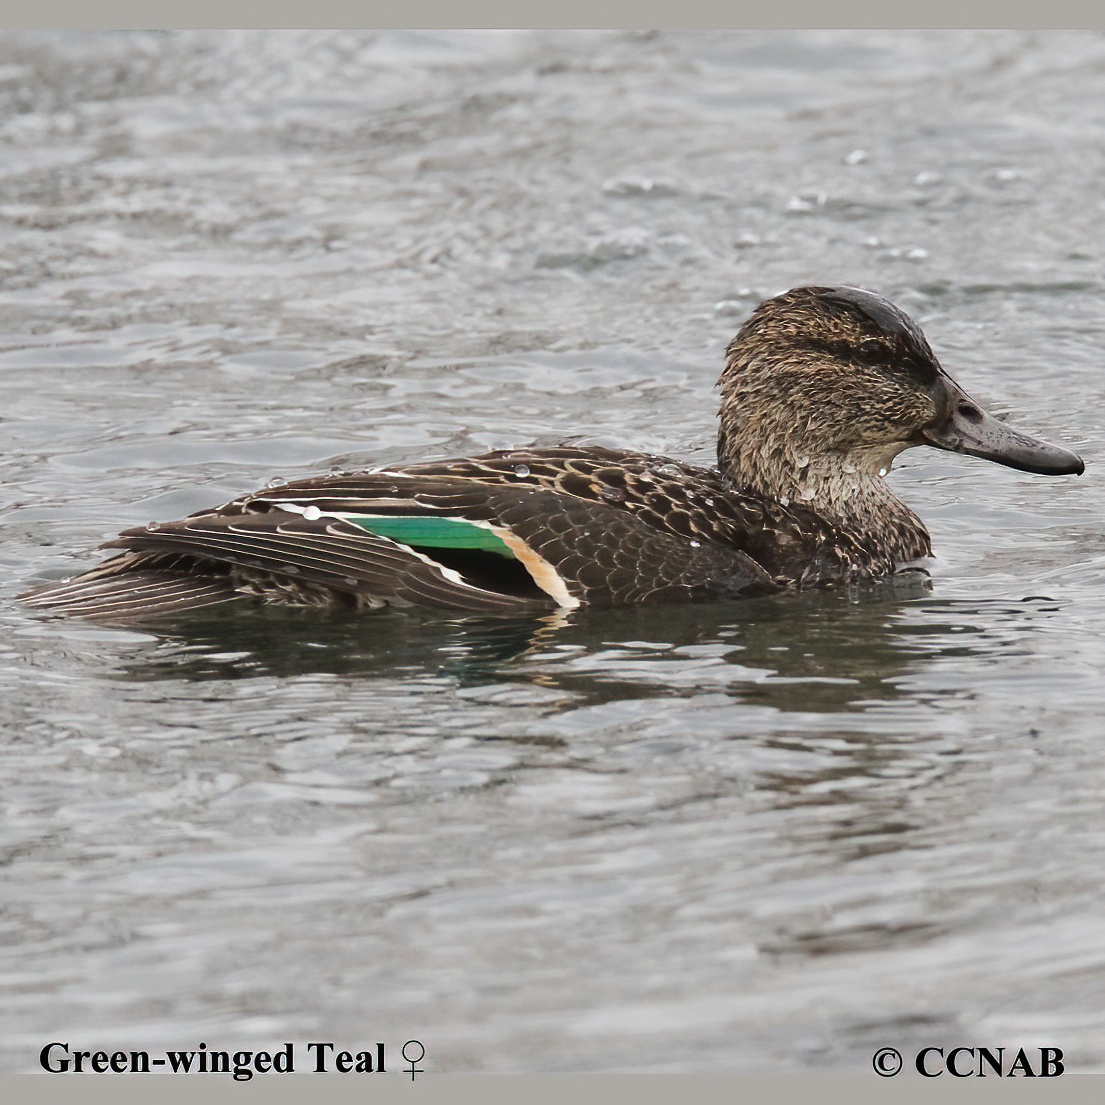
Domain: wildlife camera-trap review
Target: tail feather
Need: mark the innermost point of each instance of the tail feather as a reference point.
(136, 594)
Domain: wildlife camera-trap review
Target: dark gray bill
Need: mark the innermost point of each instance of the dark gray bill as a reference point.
(967, 428)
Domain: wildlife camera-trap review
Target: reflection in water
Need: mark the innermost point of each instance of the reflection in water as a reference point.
(246, 643)
(846, 643)
(770, 673)
(788, 696)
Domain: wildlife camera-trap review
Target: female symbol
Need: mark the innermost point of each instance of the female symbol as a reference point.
(412, 1059)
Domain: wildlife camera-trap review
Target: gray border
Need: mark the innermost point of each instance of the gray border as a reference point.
(564, 14)
(542, 1089)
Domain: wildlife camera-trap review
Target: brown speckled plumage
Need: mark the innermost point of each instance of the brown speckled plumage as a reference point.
(822, 388)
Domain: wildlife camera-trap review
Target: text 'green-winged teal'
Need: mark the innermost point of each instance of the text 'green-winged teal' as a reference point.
(822, 389)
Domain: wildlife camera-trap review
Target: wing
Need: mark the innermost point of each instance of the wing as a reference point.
(319, 559)
(481, 519)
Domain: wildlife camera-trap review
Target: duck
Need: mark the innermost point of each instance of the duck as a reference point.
(822, 388)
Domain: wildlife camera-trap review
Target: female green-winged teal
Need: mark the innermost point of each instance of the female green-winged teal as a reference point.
(822, 388)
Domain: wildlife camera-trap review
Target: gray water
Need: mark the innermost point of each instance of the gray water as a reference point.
(770, 835)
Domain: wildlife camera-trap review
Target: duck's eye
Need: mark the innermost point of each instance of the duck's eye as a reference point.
(871, 351)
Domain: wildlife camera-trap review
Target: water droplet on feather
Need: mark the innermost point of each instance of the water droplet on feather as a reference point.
(521, 470)
(312, 513)
(277, 481)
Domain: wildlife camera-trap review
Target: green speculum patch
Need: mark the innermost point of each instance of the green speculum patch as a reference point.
(435, 533)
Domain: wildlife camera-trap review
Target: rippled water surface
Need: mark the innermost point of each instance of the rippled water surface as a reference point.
(766, 835)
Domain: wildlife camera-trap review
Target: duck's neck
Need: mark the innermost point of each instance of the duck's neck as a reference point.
(845, 488)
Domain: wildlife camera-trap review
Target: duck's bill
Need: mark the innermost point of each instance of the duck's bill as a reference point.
(969, 429)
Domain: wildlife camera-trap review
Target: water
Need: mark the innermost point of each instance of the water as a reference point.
(768, 835)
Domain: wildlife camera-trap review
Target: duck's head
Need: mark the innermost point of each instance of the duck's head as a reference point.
(823, 387)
